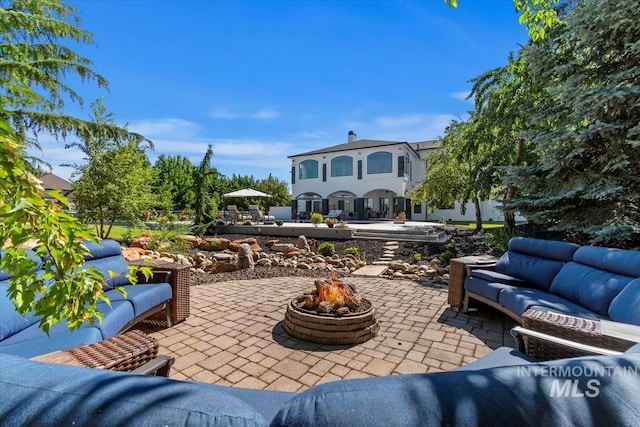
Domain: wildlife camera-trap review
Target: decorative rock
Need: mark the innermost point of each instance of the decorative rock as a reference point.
(133, 254)
(215, 244)
(304, 266)
(270, 243)
(303, 245)
(293, 253)
(282, 247)
(251, 241)
(195, 241)
(140, 242)
(245, 258)
(222, 267)
(398, 266)
(264, 262)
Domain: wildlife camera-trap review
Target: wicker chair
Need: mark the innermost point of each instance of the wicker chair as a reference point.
(258, 216)
(547, 335)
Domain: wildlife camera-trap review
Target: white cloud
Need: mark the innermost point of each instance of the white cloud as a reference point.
(165, 128)
(462, 95)
(266, 114)
(408, 127)
(227, 114)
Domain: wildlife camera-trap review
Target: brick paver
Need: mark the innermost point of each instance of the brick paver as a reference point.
(234, 335)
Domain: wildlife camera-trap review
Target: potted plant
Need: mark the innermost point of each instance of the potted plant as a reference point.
(330, 222)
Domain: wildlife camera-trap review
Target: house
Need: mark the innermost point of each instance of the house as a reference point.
(369, 179)
(363, 178)
(51, 182)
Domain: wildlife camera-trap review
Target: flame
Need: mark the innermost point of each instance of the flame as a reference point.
(334, 293)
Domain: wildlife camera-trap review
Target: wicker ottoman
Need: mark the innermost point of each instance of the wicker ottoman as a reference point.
(124, 352)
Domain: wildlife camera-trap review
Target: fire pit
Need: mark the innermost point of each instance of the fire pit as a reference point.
(334, 313)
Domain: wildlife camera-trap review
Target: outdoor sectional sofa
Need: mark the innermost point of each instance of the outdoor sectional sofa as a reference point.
(20, 335)
(588, 282)
(504, 388)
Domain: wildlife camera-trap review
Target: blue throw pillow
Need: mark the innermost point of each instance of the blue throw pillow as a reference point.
(589, 287)
(625, 307)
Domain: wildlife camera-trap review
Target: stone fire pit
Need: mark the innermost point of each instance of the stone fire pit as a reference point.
(334, 313)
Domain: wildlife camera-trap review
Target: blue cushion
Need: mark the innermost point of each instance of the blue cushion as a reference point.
(503, 356)
(39, 393)
(102, 249)
(620, 261)
(625, 307)
(483, 288)
(588, 286)
(114, 319)
(513, 395)
(496, 277)
(537, 272)
(633, 349)
(108, 265)
(518, 300)
(10, 321)
(145, 297)
(35, 342)
(550, 249)
(4, 274)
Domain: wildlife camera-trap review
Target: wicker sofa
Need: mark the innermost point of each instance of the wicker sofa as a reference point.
(588, 282)
(20, 335)
(504, 388)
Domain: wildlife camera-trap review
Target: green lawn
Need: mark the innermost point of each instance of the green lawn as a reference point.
(485, 224)
(119, 230)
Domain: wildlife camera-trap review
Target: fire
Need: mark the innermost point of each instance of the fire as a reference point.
(334, 293)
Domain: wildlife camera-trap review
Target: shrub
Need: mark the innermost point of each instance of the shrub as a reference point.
(172, 217)
(330, 222)
(417, 257)
(162, 220)
(326, 248)
(316, 218)
(500, 238)
(352, 250)
(446, 255)
(279, 222)
(247, 222)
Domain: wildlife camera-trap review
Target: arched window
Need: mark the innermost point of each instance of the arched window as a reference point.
(308, 169)
(379, 162)
(342, 166)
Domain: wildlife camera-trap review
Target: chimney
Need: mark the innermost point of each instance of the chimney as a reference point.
(351, 136)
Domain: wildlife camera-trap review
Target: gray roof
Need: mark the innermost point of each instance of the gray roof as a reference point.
(54, 182)
(355, 145)
(426, 145)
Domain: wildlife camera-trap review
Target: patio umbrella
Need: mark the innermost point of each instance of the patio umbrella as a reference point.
(246, 192)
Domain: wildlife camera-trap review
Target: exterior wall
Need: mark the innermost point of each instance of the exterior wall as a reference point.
(490, 212)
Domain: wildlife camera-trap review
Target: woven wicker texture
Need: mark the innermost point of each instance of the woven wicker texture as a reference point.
(457, 274)
(124, 352)
(180, 289)
(571, 328)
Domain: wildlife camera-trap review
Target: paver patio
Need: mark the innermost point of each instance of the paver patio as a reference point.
(234, 335)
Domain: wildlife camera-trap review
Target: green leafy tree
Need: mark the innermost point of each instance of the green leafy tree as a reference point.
(64, 291)
(586, 179)
(504, 100)
(448, 177)
(115, 181)
(537, 15)
(35, 61)
(175, 179)
(207, 199)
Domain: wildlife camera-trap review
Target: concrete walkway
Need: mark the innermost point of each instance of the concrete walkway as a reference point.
(234, 335)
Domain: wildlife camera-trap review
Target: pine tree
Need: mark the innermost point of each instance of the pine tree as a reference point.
(587, 179)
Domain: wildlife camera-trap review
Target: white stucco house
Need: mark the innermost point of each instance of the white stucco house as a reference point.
(368, 179)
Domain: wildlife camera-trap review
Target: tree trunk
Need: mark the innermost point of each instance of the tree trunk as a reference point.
(509, 216)
(476, 203)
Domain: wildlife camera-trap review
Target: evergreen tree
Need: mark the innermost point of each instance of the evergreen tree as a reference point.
(175, 177)
(587, 178)
(35, 62)
(205, 206)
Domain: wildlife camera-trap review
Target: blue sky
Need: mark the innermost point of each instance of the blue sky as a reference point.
(262, 80)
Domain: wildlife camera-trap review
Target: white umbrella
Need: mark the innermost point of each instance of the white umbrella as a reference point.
(246, 192)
